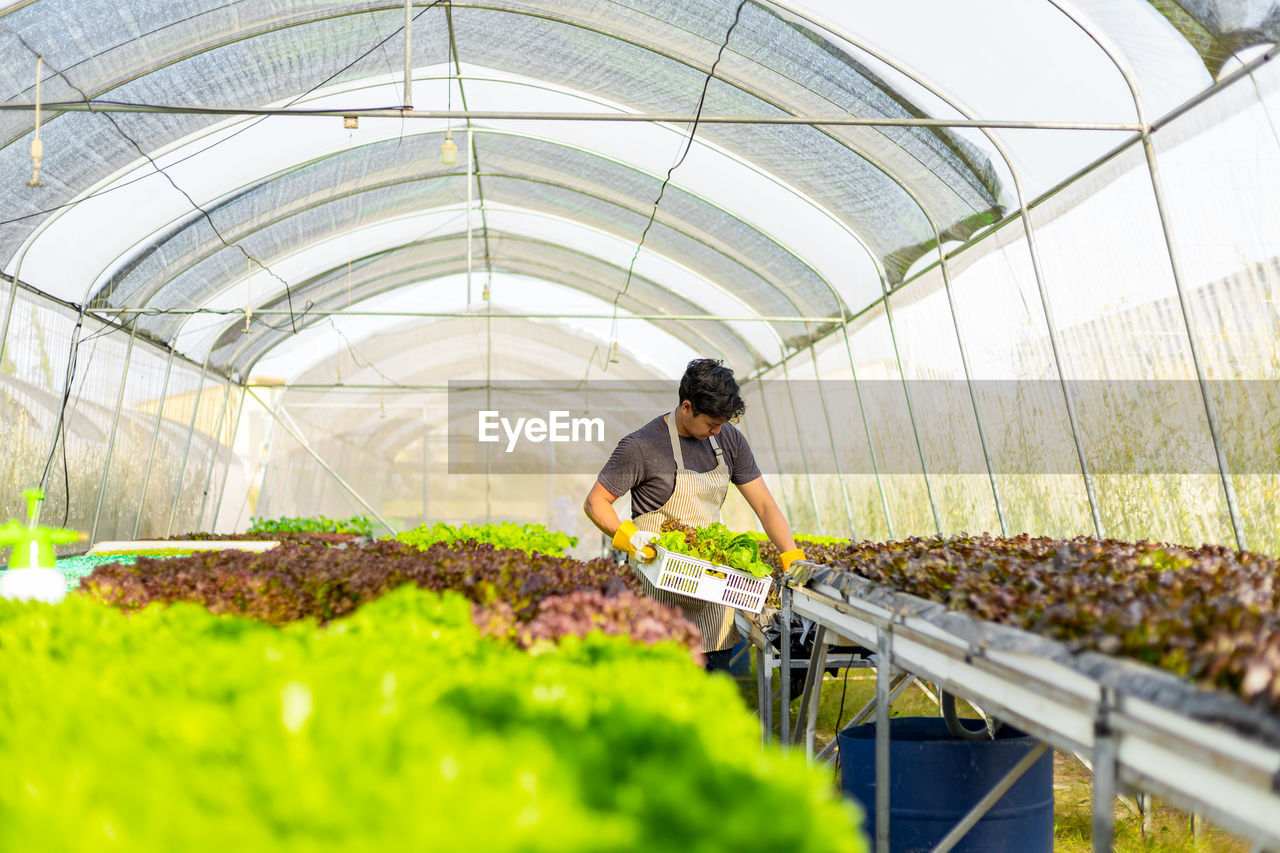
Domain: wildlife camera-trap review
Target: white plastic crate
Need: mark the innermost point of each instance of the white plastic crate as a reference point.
(703, 579)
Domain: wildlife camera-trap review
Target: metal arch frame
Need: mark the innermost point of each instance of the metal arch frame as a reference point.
(308, 323)
(530, 13)
(858, 152)
(957, 105)
(782, 487)
(995, 491)
(746, 262)
(677, 320)
(884, 299)
(578, 24)
(743, 262)
(1025, 207)
(554, 353)
(742, 86)
(835, 454)
(701, 276)
(1190, 331)
(1034, 254)
(1117, 58)
(826, 283)
(804, 198)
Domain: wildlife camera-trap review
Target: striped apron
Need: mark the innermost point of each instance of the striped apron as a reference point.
(696, 501)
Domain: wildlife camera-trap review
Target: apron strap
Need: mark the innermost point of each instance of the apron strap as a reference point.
(676, 452)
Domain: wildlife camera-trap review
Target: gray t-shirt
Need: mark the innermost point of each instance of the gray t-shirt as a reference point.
(642, 463)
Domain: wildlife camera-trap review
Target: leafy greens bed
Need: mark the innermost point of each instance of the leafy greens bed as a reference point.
(530, 538)
(511, 590)
(1210, 614)
(357, 524)
(398, 727)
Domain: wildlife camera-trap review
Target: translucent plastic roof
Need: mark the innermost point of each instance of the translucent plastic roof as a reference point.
(761, 223)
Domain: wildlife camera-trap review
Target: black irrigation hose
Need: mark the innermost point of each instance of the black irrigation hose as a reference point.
(957, 728)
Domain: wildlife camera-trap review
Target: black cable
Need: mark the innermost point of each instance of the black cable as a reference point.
(248, 125)
(840, 716)
(73, 355)
(697, 116)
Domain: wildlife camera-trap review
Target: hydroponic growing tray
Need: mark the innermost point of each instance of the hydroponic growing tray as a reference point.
(141, 547)
(698, 578)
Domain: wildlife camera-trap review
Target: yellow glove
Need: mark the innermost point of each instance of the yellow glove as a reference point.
(789, 557)
(634, 541)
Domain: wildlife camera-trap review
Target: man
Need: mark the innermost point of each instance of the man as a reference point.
(679, 466)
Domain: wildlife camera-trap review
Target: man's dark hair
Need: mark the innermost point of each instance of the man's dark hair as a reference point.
(710, 387)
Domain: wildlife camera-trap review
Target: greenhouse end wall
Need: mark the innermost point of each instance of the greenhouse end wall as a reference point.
(116, 470)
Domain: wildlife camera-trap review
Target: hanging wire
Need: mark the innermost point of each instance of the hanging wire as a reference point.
(73, 354)
(247, 126)
(693, 130)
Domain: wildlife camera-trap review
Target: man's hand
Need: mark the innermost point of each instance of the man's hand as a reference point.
(634, 541)
(801, 573)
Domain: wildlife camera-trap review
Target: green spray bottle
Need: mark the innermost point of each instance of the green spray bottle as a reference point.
(33, 573)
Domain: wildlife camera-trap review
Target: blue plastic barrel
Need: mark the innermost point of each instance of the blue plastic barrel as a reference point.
(934, 779)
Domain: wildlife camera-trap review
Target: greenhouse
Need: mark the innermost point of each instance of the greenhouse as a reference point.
(374, 376)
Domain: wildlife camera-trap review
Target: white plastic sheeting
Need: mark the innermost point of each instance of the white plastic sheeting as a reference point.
(1136, 259)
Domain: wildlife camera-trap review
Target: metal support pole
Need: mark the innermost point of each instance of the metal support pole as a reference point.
(213, 460)
(866, 427)
(915, 430)
(980, 808)
(504, 115)
(111, 440)
(8, 315)
(835, 454)
(804, 457)
(263, 467)
(1197, 359)
(306, 445)
(1055, 346)
(782, 487)
(1054, 342)
(1104, 777)
(1098, 35)
(803, 712)
(973, 395)
(884, 673)
(408, 55)
(813, 690)
(897, 687)
(182, 468)
(425, 457)
(784, 688)
(764, 694)
(226, 468)
(471, 159)
(151, 454)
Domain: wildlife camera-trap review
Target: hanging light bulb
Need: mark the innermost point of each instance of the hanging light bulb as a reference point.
(448, 151)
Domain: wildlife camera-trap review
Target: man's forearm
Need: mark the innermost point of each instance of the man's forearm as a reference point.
(776, 528)
(602, 514)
